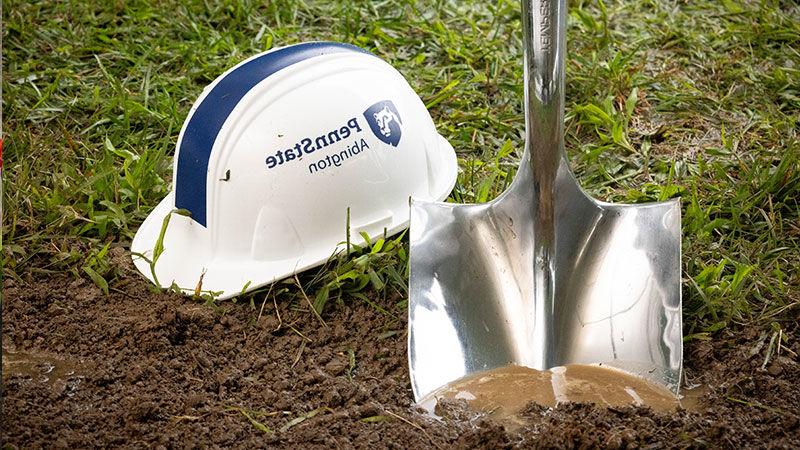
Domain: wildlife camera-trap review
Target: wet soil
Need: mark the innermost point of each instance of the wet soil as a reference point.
(136, 369)
(503, 393)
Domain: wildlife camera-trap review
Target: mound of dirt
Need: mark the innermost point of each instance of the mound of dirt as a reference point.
(137, 368)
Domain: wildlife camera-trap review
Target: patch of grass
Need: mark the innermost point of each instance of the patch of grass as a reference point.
(692, 99)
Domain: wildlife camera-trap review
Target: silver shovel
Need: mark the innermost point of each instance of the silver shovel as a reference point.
(544, 275)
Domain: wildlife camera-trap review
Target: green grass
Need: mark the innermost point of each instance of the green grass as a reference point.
(693, 99)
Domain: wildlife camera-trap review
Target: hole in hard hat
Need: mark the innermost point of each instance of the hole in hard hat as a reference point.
(504, 393)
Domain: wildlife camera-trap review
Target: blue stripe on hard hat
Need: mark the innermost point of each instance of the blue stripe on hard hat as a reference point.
(210, 115)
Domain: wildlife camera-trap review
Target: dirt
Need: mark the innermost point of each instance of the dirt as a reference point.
(140, 369)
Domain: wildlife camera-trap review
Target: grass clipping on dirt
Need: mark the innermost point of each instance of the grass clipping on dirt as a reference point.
(695, 100)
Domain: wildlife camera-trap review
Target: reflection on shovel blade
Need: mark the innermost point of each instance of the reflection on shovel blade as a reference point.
(544, 275)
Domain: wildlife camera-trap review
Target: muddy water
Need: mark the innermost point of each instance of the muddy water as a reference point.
(44, 368)
(504, 392)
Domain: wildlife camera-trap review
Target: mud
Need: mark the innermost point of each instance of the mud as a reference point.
(145, 369)
(503, 393)
(39, 367)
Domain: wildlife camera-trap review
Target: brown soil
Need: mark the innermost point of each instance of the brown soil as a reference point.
(137, 369)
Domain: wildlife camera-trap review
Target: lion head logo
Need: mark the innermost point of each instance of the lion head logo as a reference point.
(384, 120)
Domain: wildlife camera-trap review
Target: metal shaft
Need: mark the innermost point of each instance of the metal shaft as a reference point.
(544, 39)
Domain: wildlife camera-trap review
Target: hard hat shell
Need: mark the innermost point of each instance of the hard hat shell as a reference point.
(272, 155)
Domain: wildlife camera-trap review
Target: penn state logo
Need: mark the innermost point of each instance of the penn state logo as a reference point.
(384, 120)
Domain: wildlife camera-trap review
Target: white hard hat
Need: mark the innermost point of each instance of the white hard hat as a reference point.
(273, 154)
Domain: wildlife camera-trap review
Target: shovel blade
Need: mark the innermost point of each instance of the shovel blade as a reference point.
(615, 276)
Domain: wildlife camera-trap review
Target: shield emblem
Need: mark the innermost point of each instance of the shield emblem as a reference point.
(384, 120)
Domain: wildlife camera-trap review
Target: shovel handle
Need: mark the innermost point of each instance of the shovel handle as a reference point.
(544, 33)
(544, 38)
